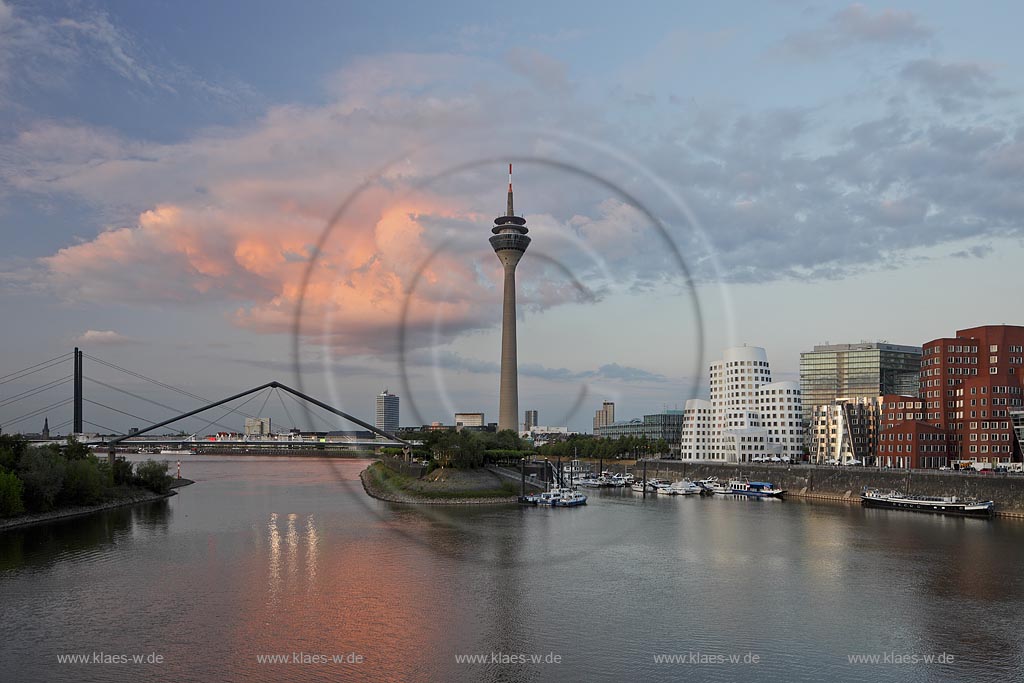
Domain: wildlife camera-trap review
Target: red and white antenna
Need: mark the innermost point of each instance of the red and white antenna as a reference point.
(508, 210)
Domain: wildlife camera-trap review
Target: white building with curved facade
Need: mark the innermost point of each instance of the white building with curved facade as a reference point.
(749, 418)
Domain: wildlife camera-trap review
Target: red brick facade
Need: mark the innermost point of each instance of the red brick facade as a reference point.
(969, 383)
(907, 439)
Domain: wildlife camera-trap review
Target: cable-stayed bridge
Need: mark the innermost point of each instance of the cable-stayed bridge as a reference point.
(47, 380)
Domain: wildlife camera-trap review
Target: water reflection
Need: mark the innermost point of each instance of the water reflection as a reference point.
(274, 564)
(43, 545)
(273, 556)
(311, 550)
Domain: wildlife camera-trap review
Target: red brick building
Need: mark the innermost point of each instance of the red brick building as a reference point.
(969, 383)
(906, 439)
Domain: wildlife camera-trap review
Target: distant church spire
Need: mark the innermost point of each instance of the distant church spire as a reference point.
(46, 427)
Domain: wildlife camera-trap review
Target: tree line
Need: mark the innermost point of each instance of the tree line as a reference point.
(587, 446)
(465, 448)
(43, 478)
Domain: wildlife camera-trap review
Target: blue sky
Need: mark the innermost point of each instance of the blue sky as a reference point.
(826, 171)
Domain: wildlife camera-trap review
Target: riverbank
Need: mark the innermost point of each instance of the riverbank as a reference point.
(442, 487)
(844, 484)
(133, 496)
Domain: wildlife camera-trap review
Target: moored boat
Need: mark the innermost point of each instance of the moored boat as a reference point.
(570, 499)
(684, 487)
(755, 489)
(944, 505)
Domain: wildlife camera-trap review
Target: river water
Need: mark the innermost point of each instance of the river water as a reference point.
(288, 557)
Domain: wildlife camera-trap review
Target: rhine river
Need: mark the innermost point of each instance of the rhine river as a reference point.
(265, 557)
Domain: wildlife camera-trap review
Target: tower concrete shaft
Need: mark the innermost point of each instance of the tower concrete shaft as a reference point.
(508, 394)
(509, 242)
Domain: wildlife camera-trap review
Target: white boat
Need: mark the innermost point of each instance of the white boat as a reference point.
(755, 489)
(707, 483)
(684, 487)
(662, 486)
(570, 499)
(550, 497)
(720, 489)
(637, 486)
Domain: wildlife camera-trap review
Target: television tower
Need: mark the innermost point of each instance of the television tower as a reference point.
(509, 242)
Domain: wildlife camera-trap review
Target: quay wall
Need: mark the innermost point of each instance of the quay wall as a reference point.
(846, 483)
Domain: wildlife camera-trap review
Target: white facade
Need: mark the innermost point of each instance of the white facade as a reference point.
(845, 430)
(749, 418)
(387, 412)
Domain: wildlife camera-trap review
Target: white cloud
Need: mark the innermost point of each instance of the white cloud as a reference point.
(853, 26)
(103, 337)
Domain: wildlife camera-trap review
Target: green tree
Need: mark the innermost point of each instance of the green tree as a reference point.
(83, 482)
(461, 450)
(122, 472)
(12, 448)
(76, 450)
(42, 471)
(10, 494)
(153, 475)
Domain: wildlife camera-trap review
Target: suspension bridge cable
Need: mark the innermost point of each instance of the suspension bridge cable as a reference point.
(108, 429)
(37, 390)
(303, 411)
(291, 421)
(308, 411)
(260, 411)
(102, 405)
(154, 381)
(230, 410)
(40, 411)
(141, 398)
(20, 374)
(62, 425)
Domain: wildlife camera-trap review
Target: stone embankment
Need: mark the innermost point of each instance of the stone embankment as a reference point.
(846, 483)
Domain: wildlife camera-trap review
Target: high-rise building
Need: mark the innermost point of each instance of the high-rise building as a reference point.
(257, 426)
(667, 425)
(509, 242)
(387, 412)
(845, 430)
(864, 370)
(749, 418)
(529, 420)
(970, 386)
(605, 416)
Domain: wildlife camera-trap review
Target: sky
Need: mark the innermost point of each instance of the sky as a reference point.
(225, 193)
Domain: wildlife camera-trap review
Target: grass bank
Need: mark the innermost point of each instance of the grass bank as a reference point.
(443, 486)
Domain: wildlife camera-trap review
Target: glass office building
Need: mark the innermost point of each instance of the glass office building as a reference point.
(868, 369)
